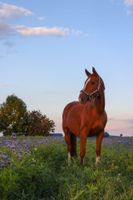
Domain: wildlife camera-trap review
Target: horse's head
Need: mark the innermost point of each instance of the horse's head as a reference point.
(92, 86)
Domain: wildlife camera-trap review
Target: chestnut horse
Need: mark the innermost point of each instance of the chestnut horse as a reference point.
(86, 117)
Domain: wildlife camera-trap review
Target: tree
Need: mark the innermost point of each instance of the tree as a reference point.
(13, 116)
(106, 134)
(39, 124)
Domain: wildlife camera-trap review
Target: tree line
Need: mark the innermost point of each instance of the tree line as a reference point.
(14, 117)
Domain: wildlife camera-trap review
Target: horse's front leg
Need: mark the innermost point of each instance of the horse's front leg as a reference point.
(83, 139)
(99, 139)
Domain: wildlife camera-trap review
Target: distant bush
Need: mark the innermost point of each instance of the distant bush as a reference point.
(106, 134)
(14, 117)
(43, 173)
(38, 124)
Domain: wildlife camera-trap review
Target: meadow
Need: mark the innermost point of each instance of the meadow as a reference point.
(37, 169)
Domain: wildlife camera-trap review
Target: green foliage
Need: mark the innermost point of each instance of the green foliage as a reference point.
(44, 174)
(39, 124)
(13, 116)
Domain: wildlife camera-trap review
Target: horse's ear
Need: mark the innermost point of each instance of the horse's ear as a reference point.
(94, 71)
(87, 72)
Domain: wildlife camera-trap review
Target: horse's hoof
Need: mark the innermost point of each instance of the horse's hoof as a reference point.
(98, 160)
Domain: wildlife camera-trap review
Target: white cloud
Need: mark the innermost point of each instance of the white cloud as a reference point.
(10, 10)
(7, 30)
(46, 31)
(41, 31)
(129, 6)
(128, 2)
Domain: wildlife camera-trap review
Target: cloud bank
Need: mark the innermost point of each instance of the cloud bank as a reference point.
(46, 31)
(41, 31)
(13, 11)
(10, 10)
(7, 30)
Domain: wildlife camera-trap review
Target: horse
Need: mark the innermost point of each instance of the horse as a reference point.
(86, 117)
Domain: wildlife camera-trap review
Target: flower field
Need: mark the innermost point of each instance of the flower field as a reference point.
(36, 168)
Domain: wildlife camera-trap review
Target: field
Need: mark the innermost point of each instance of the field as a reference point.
(37, 169)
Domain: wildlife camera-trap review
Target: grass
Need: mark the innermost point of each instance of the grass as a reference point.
(44, 174)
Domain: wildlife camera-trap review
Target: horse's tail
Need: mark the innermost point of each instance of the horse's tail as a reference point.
(73, 140)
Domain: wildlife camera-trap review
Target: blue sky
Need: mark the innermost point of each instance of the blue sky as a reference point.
(45, 46)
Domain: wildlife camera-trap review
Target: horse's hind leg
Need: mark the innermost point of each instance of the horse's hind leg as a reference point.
(73, 145)
(68, 141)
(99, 139)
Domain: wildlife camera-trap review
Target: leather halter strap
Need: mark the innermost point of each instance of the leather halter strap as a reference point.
(90, 95)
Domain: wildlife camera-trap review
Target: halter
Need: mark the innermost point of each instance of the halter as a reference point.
(90, 96)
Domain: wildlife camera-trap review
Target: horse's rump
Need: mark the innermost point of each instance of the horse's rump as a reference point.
(71, 118)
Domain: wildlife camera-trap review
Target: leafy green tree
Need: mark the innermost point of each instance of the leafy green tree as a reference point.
(39, 124)
(13, 116)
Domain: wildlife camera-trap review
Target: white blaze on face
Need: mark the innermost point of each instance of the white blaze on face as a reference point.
(86, 83)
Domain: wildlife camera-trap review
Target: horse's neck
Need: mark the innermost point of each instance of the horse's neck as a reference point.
(100, 102)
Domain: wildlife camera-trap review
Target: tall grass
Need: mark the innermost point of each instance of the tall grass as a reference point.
(44, 174)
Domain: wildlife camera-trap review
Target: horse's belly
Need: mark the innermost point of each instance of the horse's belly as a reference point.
(96, 130)
(74, 125)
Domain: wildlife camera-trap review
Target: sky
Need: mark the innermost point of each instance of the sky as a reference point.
(46, 45)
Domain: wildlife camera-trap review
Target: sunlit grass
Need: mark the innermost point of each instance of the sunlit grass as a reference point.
(43, 173)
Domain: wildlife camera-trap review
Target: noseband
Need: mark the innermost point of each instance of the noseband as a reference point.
(93, 94)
